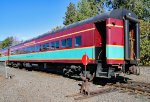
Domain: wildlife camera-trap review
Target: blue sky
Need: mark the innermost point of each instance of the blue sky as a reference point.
(25, 19)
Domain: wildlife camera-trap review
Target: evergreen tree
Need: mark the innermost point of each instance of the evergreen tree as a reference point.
(85, 9)
(7, 42)
(89, 8)
(70, 14)
(139, 7)
(144, 42)
(56, 28)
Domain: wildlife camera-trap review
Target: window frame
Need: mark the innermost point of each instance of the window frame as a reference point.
(69, 40)
(45, 46)
(52, 45)
(65, 41)
(57, 43)
(75, 41)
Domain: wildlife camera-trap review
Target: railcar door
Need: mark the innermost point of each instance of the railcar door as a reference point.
(132, 40)
(100, 51)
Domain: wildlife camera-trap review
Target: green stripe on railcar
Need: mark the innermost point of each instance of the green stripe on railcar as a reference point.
(75, 53)
(3, 58)
(114, 52)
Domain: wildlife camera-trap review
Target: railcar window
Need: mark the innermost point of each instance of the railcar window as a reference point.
(78, 41)
(69, 42)
(28, 50)
(24, 50)
(45, 46)
(17, 51)
(37, 48)
(52, 45)
(57, 44)
(32, 48)
(12, 52)
(40, 48)
(63, 43)
(21, 51)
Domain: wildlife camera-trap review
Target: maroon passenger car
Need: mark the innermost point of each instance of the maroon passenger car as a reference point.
(111, 40)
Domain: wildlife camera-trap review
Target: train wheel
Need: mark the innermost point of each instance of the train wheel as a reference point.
(67, 72)
(28, 66)
(72, 70)
(134, 70)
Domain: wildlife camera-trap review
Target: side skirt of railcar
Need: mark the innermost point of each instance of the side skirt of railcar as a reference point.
(66, 69)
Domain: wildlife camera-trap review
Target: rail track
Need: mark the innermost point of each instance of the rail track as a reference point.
(103, 90)
(131, 87)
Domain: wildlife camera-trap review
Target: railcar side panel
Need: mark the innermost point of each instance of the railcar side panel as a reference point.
(114, 41)
(4, 55)
(74, 53)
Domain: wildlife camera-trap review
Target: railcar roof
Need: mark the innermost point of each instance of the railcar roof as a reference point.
(117, 13)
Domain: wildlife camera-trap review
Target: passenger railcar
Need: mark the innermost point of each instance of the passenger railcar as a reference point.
(111, 41)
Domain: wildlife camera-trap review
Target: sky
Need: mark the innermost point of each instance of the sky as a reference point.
(25, 19)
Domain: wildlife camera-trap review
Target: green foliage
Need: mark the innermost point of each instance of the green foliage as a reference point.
(89, 8)
(7, 42)
(145, 42)
(139, 7)
(56, 28)
(84, 10)
(70, 14)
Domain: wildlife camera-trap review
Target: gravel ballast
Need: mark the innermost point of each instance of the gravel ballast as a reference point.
(34, 86)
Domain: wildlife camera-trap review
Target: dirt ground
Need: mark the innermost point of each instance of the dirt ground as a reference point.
(35, 86)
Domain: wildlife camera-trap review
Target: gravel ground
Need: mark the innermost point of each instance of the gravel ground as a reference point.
(144, 75)
(33, 86)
